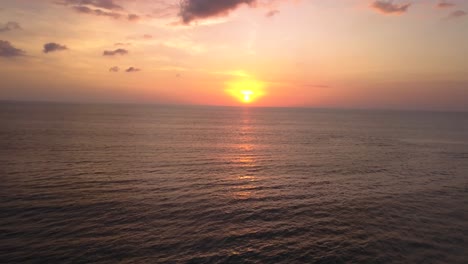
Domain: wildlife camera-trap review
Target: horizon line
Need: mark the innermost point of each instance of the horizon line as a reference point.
(330, 108)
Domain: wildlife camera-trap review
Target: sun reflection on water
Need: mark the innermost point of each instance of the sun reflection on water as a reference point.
(243, 155)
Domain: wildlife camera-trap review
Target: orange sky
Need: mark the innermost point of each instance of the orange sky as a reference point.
(338, 53)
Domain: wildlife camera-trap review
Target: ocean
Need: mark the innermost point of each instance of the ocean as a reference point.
(90, 183)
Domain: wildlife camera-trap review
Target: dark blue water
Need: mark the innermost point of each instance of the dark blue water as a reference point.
(154, 184)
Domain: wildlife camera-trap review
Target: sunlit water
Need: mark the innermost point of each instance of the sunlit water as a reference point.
(147, 184)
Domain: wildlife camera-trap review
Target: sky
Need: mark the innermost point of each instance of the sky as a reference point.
(401, 54)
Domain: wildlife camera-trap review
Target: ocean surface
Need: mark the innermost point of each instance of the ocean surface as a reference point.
(165, 184)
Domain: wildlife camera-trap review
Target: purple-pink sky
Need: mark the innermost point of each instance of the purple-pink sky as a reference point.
(402, 54)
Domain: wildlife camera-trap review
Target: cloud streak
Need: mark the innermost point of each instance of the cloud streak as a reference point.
(445, 4)
(9, 26)
(114, 69)
(457, 14)
(272, 13)
(53, 47)
(104, 8)
(97, 12)
(9, 51)
(388, 7)
(141, 37)
(104, 4)
(122, 44)
(133, 17)
(132, 69)
(115, 52)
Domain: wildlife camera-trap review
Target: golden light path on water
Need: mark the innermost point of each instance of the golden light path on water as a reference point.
(243, 154)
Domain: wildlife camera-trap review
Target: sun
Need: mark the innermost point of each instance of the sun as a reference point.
(246, 91)
(247, 96)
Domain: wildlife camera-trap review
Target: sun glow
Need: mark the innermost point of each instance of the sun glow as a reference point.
(246, 91)
(247, 96)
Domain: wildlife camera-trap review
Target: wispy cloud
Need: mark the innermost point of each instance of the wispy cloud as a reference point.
(388, 7)
(133, 17)
(8, 51)
(272, 13)
(115, 52)
(53, 47)
(122, 44)
(457, 14)
(105, 8)
(97, 12)
(445, 4)
(132, 69)
(9, 26)
(105, 4)
(141, 37)
(114, 69)
(165, 10)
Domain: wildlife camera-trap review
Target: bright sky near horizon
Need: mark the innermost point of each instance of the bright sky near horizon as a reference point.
(403, 54)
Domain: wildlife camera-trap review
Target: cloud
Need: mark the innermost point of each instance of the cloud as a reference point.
(457, 14)
(9, 26)
(53, 47)
(141, 37)
(191, 10)
(7, 50)
(115, 52)
(122, 44)
(132, 69)
(129, 70)
(97, 12)
(272, 13)
(114, 69)
(388, 7)
(105, 8)
(445, 4)
(104, 4)
(133, 17)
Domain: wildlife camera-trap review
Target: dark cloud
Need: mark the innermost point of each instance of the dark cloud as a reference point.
(457, 14)
(388, 7)
(10, 25)
(115, 52)
(53, 47)
(7, 50)
(445, 4)
(191, 10)
(132, 69)
(272, 13)
(133, 17)
(114, 69)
